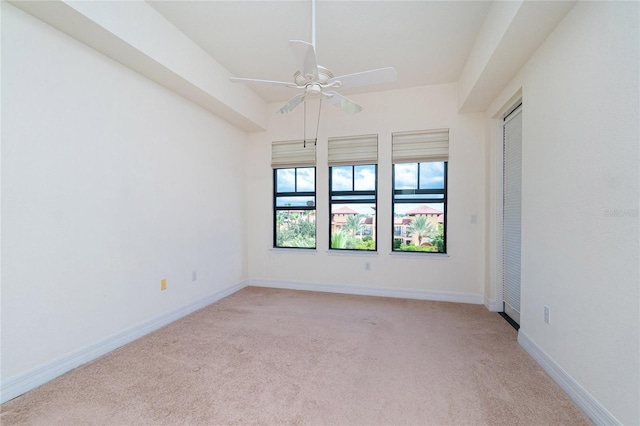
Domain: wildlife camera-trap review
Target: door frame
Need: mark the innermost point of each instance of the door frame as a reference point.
(515, 109)
(494, 300)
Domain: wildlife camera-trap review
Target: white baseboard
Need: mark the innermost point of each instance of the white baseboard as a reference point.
(441, 296)
(587, 403)
(491, 305)
(16, 386)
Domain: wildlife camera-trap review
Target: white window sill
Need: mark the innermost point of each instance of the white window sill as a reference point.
(353, 253)
(419, 255)
(290, 250)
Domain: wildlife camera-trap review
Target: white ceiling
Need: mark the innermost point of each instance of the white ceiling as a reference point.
(427, 42)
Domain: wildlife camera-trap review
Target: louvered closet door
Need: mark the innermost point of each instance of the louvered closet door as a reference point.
(512, 202)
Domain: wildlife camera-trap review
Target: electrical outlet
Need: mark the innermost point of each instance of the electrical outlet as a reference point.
(367, 266)
(194, 275)
(163, 284)
(547, 315)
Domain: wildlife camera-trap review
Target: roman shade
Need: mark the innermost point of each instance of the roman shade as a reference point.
(292, 154)
(421, 146)
(353, 150)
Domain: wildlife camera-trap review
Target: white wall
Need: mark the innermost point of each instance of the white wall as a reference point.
(580, 224)
(385, 112)
(109, 184)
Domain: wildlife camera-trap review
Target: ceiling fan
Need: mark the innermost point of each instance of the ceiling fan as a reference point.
(316, 81)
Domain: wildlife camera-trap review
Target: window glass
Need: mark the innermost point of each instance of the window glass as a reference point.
(432, 175)
(365, 178)
(419, 207)
(406, 176)
(295, 201)
(342, 178)
(294, 207)
(306, 179)
(285, 180)
(295, 228)
(418, 197)
(353, 207)
(356, 198)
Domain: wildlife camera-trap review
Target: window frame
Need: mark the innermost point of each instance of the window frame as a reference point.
(353, 193)
(295, 193)
(422, 200)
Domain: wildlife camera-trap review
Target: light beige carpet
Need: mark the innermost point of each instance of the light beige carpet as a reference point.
(279, 357)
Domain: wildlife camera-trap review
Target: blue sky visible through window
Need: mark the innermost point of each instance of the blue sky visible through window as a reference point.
(364, 179)
(305, 180)
(431, 176)
(406, 177)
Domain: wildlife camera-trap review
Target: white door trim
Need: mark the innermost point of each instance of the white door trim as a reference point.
(498, 151)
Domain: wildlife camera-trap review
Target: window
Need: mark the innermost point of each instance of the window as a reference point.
(353, 192)
(294, 194)
(295, 207)
(353, 207)
(420, 191)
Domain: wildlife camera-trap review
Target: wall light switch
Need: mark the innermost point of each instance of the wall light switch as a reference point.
(547, 314)
(163, 284)
(474, 219)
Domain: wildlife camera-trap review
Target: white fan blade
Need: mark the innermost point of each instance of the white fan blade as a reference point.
(342, 102)
(305, 55)
(366, 78)
(292, 104)
(253, 80)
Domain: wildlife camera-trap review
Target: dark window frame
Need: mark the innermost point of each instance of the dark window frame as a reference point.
(295, 193)
(353, 193)
(422, 200)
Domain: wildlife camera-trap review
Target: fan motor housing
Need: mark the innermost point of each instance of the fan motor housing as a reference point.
(324, 75)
